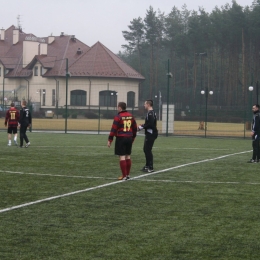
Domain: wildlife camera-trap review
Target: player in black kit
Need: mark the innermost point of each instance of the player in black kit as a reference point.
(25, 121)
(151, 133)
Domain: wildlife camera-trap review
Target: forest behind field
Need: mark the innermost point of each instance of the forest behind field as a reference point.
(218, 51)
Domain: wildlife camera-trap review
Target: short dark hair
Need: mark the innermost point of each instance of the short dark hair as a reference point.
(24, 102)
(122, 105)
(150, 102)
(12, 104)
(256, 105)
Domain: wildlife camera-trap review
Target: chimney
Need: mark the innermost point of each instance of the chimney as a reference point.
(61, 34)
(51, 39)
(2, 34)
(15, 36)
(43, 49)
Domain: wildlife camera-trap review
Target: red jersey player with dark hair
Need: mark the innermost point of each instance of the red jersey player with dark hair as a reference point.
(124, 128)
(12, 118)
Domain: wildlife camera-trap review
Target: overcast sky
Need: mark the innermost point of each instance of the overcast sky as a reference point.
(91, 20)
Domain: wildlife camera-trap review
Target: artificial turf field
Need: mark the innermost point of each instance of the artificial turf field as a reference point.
(60, 199)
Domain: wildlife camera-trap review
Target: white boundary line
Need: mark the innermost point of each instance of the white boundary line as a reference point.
(57, 175)
(114, 183)
(205, 182)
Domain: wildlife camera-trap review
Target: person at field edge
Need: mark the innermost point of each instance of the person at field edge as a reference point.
(151, 133)
(124, 128)
(255, 134)
(11, 119)
(25, 121)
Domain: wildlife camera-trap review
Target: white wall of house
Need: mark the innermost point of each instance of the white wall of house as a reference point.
(92, 86)
(30, 49)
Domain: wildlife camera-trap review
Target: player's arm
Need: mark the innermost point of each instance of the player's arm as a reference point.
(134, 129)
(6, 117)
(20, 117)
(150, 120)
(113, 131)
(256, 127)
(17, 116)
(30, 118)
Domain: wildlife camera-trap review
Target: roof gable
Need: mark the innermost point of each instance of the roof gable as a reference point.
(99, 61)
(44, 60)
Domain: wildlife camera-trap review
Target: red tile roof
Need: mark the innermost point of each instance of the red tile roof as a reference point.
(47, 62)
(97, 61)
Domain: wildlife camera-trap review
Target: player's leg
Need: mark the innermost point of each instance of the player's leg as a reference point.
(22, 129)
(255, 150)
(128, 166)
(258, 150)
(148, 151)
(128, 157)
(145, 168)
(123, 167)
(9, 134)
(15, 135)
(26, 138)
(120, 151)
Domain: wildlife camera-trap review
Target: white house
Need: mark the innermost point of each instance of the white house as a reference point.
(47, 70)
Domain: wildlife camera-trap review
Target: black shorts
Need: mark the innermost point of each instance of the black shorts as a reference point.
(12, 130)
(123, 146)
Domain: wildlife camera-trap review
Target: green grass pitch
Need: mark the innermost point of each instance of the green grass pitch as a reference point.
(60, 199)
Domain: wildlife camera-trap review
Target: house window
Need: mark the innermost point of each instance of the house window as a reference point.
(78, 98)
(42, 70)
(43, 97)
(53, 98)
(108, 98)
(36, 71)
(130, 99)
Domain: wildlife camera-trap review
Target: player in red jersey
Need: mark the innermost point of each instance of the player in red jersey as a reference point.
(124, 128)
(12, 118)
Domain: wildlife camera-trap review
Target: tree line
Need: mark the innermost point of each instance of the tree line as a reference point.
(218, 51)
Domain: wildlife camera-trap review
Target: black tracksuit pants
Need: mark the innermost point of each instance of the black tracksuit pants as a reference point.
(256, 149)
(23, 135)
(148, 146)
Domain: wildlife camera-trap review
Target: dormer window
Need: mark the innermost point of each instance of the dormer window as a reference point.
(36, 71)
(42, 70)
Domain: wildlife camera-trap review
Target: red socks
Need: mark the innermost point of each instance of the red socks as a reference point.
(128, 166)
(123, 167)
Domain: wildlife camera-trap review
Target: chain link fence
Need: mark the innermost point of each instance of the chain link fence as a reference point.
(91, 108)
(219, 123)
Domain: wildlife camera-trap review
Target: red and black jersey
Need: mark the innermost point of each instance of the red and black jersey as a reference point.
(12, 117)
(124, 125)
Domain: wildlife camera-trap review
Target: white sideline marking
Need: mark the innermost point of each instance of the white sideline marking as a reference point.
(114, 183)
(187, 164)
(208, 149)
(94, 146)
(57, 175)
(206, 182)
(69, 146)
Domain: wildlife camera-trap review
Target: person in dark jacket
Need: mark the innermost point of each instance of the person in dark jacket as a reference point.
(151, 133)
(25, 121)
(255, 134)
